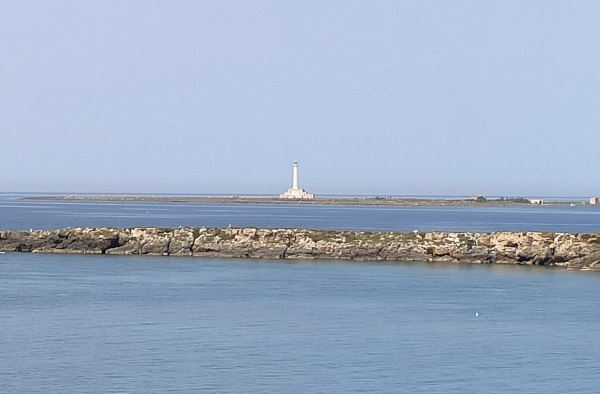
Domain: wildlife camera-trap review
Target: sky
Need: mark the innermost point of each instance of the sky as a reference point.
(371, 97)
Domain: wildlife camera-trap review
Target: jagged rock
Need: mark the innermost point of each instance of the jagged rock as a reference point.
(590, 260)
(90, 240)
(270, 253)
(155, 247)
(129, 248)
(580, 251)
(182, 242)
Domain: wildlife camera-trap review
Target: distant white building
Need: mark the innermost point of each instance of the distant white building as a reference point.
(296, 193)
(594, 201)
(538, 201)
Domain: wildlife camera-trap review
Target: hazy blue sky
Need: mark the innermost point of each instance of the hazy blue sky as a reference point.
(371, 97)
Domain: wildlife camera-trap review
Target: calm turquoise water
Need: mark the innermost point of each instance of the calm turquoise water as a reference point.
(81, 324)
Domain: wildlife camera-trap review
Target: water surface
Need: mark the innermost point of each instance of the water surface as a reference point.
(82, 324)
(17, 213)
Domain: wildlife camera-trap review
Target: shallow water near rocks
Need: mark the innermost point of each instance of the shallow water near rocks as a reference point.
(75, 323)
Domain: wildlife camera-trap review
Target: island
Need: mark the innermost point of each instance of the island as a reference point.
(579, 251)
(372, 200)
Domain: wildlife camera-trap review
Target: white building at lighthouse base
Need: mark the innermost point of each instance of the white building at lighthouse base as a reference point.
(295, 192)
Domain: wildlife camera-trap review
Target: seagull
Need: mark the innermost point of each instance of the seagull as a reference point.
(476, 314)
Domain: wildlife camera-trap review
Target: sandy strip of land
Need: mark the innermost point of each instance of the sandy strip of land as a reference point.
(316, 201)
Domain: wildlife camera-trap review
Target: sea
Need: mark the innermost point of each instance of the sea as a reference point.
(18, 212)
(141, 324)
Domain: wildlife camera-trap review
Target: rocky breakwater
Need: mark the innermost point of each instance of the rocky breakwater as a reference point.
(576, 251)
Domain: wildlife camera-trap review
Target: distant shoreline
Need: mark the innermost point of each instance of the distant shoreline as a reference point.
(405, 202)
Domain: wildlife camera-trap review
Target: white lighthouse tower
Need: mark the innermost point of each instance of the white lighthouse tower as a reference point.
(296, 193)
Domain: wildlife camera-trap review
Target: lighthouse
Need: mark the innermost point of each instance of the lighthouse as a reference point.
(295, 176)
(296, 193)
